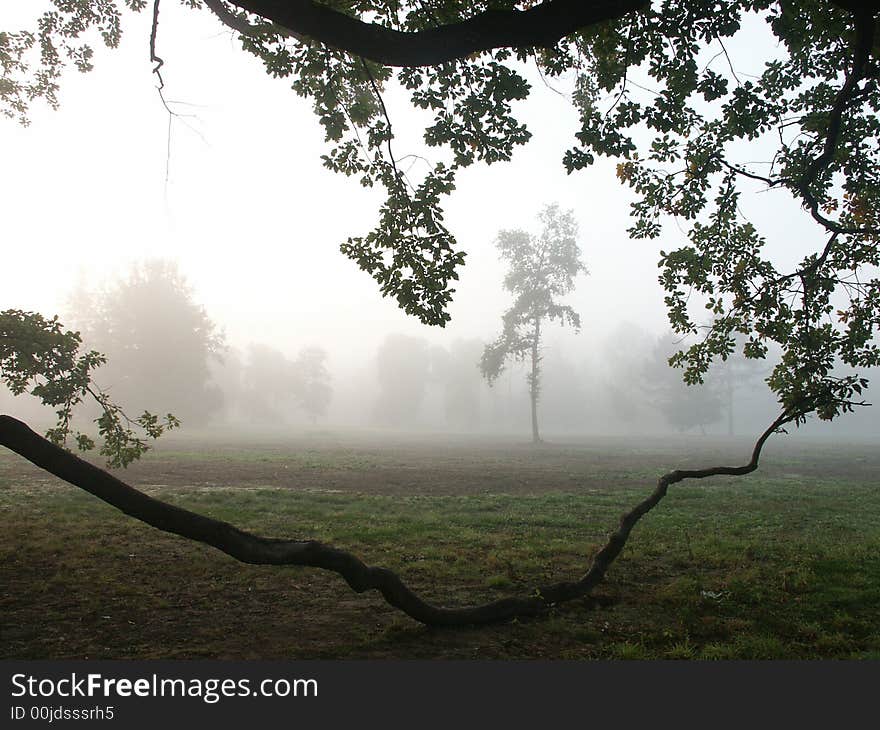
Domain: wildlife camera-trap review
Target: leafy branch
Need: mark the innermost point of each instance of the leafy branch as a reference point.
(38, 356)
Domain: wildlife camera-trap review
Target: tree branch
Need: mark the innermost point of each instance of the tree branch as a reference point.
(154, 31)
(865, 26)
(378, 95)
(242, 26)
(543, 25)
(254, 549)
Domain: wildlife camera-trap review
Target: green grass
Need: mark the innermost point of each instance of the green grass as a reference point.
(759, 567)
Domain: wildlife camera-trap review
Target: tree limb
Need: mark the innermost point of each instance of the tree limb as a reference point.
(865, 27)
(543, 25)
(254, 549)
(242, 26)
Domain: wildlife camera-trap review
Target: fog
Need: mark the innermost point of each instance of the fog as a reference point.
(231, 196)
(166, 352)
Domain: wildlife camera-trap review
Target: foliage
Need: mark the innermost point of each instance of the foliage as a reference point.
(811, 114)
(38, 356)
(33, 61)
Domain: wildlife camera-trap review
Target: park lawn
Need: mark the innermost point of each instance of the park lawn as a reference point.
(783, 563)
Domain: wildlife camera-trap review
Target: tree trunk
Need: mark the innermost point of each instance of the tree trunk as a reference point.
(534, 380)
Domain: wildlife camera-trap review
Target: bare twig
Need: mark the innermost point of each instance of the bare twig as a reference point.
(771, 182)
(729, 62)
(375, 88)
(153, 57)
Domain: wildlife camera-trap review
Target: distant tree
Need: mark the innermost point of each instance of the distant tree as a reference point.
(269, 385)
(734, 375)
(403, 367)
(456, 371)
(228, 375)
(312, 382)
(624, 352)
(541, 269)
(684, 406)
(274, 386)
(157, 339)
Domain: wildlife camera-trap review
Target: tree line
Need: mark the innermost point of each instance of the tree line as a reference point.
(165, 351)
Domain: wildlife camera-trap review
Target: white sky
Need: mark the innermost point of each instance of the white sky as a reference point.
(252, 216)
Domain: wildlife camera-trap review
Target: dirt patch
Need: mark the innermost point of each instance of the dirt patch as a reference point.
(450, 467)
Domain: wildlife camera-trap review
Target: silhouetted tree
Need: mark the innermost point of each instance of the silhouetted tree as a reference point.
(541, 269)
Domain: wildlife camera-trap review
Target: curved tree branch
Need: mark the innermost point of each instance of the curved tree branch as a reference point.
(543, 25)
(254, 549)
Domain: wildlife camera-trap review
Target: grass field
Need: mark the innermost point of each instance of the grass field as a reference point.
(783, 563)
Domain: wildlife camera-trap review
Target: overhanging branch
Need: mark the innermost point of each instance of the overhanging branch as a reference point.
(543, 25)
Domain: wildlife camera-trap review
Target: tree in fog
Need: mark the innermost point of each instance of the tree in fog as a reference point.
(313, 390)
(158, 341)
(274, 387)
(457, 372)
(625, 350)
(269, 385)
(541, 268)
(228, 375)
(733, 377)
(403, 369)
(684, 407)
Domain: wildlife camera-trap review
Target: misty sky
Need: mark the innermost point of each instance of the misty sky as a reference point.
(255, 220)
